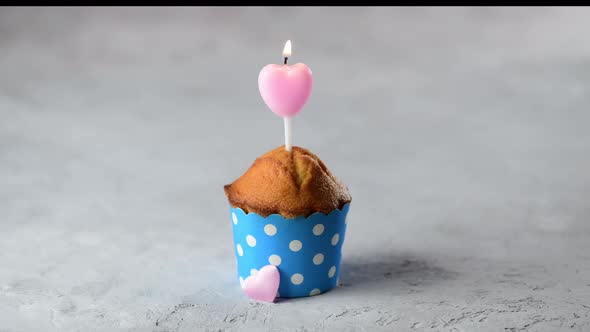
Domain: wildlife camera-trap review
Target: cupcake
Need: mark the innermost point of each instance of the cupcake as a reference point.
(289, 210)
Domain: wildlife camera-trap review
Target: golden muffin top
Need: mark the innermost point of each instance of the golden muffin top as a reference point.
(292, 184)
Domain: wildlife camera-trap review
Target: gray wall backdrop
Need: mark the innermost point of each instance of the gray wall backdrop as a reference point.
(462, 134)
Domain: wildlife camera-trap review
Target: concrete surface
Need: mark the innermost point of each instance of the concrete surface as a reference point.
(462, 134)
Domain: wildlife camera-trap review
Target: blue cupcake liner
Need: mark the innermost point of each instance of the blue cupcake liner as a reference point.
(306, 251)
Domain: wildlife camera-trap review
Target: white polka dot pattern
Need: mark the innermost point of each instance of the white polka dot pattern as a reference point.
(251, 241)
(295, 245)
(270, 230)
(318, 259)
(335, 239)
(318, 229)
(297, 279)
(274, 260)
(332, 271)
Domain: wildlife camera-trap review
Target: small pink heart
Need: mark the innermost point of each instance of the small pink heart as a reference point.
(285, 89)
(264, 285)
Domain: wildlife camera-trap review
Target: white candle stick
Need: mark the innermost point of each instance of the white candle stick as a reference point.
(287, 119)
(288, 135)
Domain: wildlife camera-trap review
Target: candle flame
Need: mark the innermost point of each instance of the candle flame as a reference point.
(287, 49)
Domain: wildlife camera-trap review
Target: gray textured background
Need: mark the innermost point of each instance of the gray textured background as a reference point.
(462, 134)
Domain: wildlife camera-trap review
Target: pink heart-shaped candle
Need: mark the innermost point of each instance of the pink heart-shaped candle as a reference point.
(285, 89)
(264, 285)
